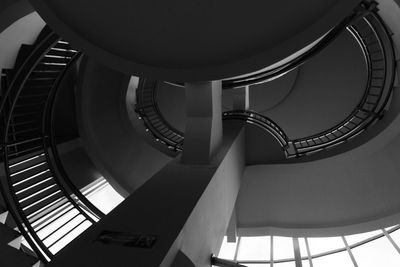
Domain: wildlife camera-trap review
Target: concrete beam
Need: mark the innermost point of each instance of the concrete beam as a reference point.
(183, 208)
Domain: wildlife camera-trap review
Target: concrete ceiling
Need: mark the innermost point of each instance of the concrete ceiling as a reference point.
(192, 40)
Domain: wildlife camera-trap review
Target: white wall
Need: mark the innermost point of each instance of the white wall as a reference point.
(23, 31)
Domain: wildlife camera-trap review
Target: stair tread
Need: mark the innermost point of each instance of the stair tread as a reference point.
(40, 196)
(29, 162)
(34, 170)
(36, 187)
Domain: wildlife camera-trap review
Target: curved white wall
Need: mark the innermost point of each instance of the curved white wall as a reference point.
(23, 31)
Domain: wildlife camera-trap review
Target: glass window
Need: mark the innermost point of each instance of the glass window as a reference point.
(324, 244)
(379, 252)
(305, 263)
(353, 239)
(303, 248)
(283, 248)
(227, 250)
(257, 265)
(341, 259)
(285, 264)
(396, 236)
(254, 248)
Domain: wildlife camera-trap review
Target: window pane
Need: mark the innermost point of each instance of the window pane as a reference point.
(305, 263)
(341, 259)
(352, 239)
(283, 248)
(257, 265)
(324, 244)
(285, 264)
(303, 248)
(227, 250)
(254, 248)
(379, 252)
(396, 236)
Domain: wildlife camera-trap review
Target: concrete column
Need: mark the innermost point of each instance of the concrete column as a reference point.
(203, 133)
(183, 209)
(241, 98)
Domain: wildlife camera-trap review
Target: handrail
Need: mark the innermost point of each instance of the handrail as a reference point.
(262, 122)
(49, 133)
(45, 137)
(16, 85)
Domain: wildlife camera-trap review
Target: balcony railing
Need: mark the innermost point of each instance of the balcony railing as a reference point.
(378, 52)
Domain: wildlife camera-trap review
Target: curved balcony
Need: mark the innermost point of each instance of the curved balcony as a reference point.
(379, 56)
(376, 45)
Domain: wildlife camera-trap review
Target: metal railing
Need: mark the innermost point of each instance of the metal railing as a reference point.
(377, 47)
(149, 113)
(264, 123)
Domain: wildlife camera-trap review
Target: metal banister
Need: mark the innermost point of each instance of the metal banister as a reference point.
(50, 142)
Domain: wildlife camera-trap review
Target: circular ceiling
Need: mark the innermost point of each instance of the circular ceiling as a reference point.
(187, 40)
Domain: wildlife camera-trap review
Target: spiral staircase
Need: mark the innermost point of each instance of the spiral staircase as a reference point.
(46, 208)
(43, 210)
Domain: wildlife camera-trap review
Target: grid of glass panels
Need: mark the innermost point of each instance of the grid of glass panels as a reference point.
(370, 249)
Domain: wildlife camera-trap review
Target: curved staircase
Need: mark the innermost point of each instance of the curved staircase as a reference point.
(47, 209)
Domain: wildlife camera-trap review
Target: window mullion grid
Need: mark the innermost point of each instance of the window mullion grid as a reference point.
(349, 251)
